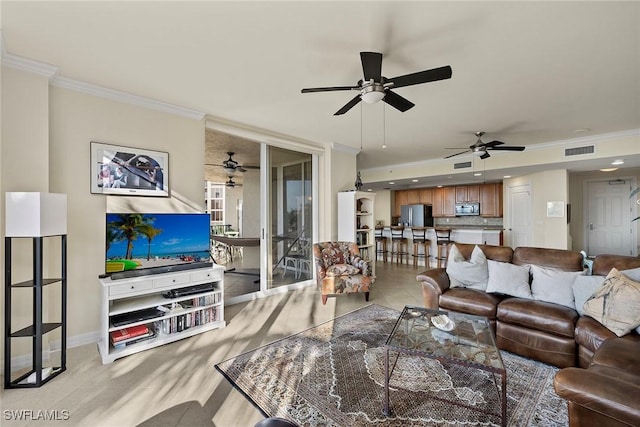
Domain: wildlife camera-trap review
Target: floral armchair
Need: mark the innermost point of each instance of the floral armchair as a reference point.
(340, 270)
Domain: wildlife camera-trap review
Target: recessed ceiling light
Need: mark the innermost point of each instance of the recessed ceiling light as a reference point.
(618, 162)
(608, 169)
(391, 183)
(507, 176)
(439, 186)
(582, 130)
(477, 174)
(414, 180)
(369, 190)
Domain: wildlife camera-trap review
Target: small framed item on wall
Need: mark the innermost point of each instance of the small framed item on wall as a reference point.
(126, 171)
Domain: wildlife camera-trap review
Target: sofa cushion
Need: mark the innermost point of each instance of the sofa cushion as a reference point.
(560, 259)
(539, 315)
(590, 333)
(509, 279)
(542, 346)
(470, 301)
(472, 274)
(604, 263)
(616, 304)
(622, 354)
(583, 287)
(552, 285)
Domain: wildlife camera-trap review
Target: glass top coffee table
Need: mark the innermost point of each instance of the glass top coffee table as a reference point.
(457, 338)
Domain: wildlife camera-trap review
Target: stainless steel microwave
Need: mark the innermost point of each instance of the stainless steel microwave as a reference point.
(463, 209)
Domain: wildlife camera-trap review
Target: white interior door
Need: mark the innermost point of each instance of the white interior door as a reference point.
(519, 230)
(608, 217)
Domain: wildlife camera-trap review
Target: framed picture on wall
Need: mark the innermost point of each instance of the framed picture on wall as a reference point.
(126, 171)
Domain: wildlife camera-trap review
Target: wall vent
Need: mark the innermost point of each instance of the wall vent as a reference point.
(589, 149)
(462, 165)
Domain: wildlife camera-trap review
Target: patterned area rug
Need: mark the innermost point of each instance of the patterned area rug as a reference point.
(333, 375)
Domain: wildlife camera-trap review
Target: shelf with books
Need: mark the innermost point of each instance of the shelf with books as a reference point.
(158, 312)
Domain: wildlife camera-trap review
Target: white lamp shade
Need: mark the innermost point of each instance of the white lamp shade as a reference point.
(35, 214)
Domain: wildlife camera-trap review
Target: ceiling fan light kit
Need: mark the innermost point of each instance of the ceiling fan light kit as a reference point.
(375, 87)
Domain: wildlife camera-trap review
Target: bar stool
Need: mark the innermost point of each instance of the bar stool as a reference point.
(399, 243)
(443, 238)
(420, 239)
(381, 243)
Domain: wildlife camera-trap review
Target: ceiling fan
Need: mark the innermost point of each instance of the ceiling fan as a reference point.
(481, 149)
(375, 87)
(231, 183)
(231, 166)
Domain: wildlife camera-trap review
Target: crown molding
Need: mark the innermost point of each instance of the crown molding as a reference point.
(591, 139)
(50, 72)
(260, 135)
(124, 97)
(344, 148)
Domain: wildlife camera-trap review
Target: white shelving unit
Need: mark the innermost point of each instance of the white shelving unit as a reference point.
(170, 318)
(356, 223)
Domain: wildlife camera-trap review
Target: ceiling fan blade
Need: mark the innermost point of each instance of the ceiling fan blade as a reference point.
(493, 143)
(485, 155)
(371, 65)
(457, 154)
(426, 76)
(508, 148)
(329, 89)
(397, 101)
(349, 105)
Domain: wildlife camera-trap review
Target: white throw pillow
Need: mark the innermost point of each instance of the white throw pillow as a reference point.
(633, 274)
(583, 287)
(472, 274)
(553, 285)
(509, 279)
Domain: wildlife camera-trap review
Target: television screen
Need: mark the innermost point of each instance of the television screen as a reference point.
(154, 243)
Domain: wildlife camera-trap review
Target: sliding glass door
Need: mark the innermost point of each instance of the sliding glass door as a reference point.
(290, 217)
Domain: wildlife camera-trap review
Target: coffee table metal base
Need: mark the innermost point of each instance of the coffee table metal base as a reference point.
(392, 344)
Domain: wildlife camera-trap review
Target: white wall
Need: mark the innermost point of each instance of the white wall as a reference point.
(46, 147)
(343, 177)
(549, 186)
(382, 211)
(25, 167)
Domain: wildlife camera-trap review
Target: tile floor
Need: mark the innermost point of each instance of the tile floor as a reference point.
(177, 384)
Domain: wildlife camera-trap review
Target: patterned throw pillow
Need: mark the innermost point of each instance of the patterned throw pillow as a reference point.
(616, 305)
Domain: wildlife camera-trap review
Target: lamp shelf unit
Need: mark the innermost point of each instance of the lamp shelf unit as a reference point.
(38, 374)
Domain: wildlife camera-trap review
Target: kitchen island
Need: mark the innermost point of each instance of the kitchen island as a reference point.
(473, 234)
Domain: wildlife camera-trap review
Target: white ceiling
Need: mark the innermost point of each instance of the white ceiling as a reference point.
(524, 72)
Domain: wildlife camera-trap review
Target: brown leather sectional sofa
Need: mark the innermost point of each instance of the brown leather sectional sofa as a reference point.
(555, 334)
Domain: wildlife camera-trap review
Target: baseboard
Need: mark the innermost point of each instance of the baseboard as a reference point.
(24, 361)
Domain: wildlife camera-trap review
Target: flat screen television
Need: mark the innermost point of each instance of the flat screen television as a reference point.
(151, 243)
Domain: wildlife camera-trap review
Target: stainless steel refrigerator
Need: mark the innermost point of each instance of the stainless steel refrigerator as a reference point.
(416, 215)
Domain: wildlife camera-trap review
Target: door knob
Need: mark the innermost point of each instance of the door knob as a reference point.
(590, 226)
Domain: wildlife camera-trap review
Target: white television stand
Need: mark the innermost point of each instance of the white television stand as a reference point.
(139, 301)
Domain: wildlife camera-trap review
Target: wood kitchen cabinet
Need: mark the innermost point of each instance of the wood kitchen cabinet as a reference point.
(491, 200)
(426, 196)
(444, 200)
(413, 197)
(467, 193)
(401, 199)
